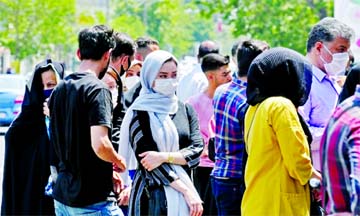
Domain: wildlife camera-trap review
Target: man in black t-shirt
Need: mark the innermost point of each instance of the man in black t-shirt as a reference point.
(81, 110)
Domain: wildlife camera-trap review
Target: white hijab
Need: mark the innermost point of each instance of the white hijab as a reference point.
(162, 127)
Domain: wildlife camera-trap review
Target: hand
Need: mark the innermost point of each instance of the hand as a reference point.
(316, 174)
(194, 202)
(316, 192)
(46, 108)
(118, 183)
(152, 159)
(124, 196)
(120, 166)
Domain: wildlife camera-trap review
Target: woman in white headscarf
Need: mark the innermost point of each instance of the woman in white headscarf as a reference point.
(160, 138)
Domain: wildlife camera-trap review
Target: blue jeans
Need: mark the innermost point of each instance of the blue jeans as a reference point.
(228, 194)
(97, 209)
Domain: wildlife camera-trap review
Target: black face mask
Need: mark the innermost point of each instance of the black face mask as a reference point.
(122, 69)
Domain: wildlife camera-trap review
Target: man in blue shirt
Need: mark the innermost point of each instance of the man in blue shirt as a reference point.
(327, 50)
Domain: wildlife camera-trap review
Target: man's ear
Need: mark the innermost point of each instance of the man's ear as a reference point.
(78, 54)
(138, 56)
(124, 59)
(209, 75)
(107, 55)
(317, 46)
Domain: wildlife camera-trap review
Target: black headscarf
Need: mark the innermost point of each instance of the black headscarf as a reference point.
(32, 106)
(27, 149)
(352, 79)
(279, 72)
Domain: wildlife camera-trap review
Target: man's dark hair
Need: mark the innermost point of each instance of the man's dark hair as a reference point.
(207, 47)
(214, 61)
(95, 41)
(246, 53)
(236, 44)
(234, 48)
(124, 45)
(144, 42)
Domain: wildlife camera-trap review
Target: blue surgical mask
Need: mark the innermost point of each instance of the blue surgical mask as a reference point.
(47, 92)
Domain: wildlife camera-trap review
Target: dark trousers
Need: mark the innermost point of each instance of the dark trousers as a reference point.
(203, 186)
(228, 194)
(153, 201)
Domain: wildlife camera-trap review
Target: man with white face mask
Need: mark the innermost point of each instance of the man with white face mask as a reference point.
(327, 50)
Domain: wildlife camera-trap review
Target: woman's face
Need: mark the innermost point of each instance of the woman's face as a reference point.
(113, 87)
(167, 71)
(133, 71)
(109, 81)
(48, 79)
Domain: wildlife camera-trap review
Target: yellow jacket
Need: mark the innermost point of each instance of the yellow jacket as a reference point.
(279, 166)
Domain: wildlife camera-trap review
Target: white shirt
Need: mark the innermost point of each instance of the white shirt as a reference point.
(192, 84)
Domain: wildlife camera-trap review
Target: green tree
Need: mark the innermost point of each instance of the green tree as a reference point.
(30, 27)
(279, 22)
(176, 24)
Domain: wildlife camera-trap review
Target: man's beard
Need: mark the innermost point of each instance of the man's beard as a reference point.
(103, 72)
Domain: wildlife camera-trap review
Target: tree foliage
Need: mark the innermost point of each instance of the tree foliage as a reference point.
(279, 22)
(30, 27)
(33, 27)
(37, 27)
(176, 24)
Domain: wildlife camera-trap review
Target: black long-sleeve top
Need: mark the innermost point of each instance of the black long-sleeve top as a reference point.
(190, 145)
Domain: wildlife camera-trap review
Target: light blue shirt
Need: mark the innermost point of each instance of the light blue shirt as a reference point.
(318, 108)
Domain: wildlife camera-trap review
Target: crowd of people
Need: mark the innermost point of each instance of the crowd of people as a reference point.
(246, 135)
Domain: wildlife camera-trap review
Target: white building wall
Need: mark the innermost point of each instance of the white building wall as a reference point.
(348, 11)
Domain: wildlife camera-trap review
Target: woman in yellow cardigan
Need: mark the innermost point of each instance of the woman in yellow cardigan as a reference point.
(279, 166)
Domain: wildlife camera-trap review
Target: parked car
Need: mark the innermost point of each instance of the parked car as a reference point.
(12, 89)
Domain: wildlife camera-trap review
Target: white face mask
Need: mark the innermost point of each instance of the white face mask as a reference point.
(338, 63)
(166, 86)
(131, 81)
(114, 96)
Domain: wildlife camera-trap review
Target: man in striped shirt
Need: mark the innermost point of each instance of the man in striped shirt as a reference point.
(340, 151)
